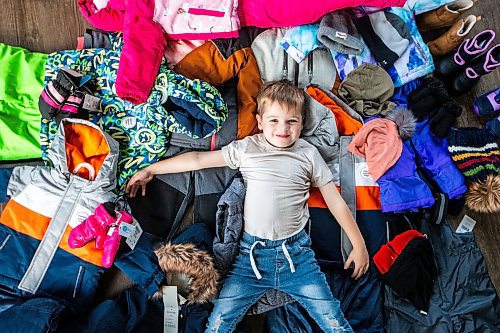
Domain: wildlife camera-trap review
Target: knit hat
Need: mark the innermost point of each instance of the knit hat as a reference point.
(338, 33)
(367, 90)
(405, 121)
(407, 266)
(477, 156)
(379, 143)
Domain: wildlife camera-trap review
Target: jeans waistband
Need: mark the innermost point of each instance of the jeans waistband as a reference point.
(249, 239)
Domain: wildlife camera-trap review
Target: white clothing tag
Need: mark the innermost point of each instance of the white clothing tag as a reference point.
(126, 229)
(91, 103)
(171, 312)
(134, 237)
(466, 225)
(294, 52)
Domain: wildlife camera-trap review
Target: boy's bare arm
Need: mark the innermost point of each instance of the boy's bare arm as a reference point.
(184, 162)
(342, 214)
(190, 161)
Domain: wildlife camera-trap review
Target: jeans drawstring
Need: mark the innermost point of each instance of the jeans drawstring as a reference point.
(285, 252)
(252, 260)
(287, 255)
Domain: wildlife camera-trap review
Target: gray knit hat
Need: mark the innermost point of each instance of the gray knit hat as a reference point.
(337, 32)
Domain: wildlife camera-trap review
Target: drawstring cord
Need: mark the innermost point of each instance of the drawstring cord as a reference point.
(254, 266)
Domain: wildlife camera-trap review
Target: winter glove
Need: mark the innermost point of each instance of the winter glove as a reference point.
(426, 100)
(65, 96)
(113, 238)
(441, 122)
(95, 226)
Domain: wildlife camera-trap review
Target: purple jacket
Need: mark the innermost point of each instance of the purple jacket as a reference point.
(401, 188)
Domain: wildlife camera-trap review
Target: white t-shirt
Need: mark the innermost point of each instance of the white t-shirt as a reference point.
(277, 182)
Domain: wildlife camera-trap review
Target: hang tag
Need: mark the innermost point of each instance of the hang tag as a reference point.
(134, 237)
(466, 225)
(126, 229)
(91, 103)
(294, 52)
(171, 312)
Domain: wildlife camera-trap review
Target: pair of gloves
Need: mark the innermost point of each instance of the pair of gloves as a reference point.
(432, 100)
(103, 226)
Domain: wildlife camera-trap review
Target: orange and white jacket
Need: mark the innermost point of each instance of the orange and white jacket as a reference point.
(46, 203)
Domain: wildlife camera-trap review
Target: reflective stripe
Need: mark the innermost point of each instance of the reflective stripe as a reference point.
(32, 196)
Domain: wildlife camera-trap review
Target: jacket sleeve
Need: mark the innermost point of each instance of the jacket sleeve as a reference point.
(21, 176)
(207, 63)
(109, 18)
(142, 53)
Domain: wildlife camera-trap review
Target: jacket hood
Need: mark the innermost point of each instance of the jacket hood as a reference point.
(187, 260)
(83, 149)
(326, 119)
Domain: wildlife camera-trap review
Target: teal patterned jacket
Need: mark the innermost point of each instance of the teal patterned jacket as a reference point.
(143, 131)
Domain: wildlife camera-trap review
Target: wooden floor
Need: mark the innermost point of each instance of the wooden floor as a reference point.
(50, 25)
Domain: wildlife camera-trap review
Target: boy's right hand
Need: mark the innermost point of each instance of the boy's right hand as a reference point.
(140, 179)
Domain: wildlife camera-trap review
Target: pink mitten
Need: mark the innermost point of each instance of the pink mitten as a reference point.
(95, 226)
(113, 238)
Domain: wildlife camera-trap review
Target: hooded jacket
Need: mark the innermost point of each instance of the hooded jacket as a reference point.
(46, 203)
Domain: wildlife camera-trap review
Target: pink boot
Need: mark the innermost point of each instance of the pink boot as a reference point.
(95, 226)
(113, 238)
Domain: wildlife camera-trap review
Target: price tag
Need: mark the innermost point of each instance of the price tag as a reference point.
(136, 234)
(294, 52)
(466, 225)
(91, 103)
(126, 230)
(171, 312)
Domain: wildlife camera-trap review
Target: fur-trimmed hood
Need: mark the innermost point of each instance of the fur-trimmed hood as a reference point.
(197, 264)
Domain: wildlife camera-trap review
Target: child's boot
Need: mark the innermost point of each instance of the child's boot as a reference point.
(453, 37)
(443, 16)
(488, 103)
(466, 52)
(113, 238)
(483, 65)
(95, 226)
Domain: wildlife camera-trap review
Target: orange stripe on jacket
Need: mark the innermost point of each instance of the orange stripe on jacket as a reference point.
(367, 198)
(33, 224)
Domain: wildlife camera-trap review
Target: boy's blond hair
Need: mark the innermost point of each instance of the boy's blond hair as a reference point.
(282, 92)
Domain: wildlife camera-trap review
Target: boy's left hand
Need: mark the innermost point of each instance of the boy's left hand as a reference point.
(358, 256)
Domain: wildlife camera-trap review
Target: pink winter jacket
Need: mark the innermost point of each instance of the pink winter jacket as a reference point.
(144, 23)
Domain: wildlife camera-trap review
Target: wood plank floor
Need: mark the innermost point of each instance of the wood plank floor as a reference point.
(47, 26)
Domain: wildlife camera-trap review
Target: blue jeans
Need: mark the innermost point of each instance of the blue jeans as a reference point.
(287, 265)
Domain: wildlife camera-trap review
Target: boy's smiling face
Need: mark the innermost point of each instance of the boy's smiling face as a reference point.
(280, 126)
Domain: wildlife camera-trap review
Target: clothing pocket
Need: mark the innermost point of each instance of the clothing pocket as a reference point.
(4, 242)
(78, 281)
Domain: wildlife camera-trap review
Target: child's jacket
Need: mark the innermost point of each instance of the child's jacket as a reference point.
(46, 203)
